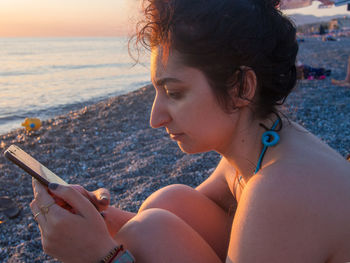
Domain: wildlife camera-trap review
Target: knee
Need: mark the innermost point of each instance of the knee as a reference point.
(151, 217)
(167, 197)
(157, 235)
(146, 225)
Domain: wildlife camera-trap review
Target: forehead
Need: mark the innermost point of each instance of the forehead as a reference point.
(165, 63)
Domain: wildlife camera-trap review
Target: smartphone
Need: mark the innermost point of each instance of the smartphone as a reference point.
(32, 166)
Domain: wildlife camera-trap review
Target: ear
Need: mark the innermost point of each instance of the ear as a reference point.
(249, 88)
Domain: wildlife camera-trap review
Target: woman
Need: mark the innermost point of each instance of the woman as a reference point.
(220, 69)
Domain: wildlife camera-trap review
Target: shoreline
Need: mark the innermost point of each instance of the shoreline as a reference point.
(111, 144)
(108, 144)
(14, 124)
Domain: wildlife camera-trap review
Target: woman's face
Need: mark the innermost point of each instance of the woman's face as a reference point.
(186, 107)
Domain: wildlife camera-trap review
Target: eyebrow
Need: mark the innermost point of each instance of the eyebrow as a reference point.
(162, 82)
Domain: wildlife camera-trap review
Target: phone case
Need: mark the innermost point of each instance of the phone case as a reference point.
(32, 166)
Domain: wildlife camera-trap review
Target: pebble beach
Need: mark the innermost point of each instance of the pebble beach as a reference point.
(111, 144)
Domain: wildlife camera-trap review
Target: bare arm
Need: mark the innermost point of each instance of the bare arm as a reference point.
(216, 188)
(274, 224)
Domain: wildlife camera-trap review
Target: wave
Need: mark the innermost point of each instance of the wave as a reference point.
(18, 73)
(72, 67)
(55, 68)
(8, 118)
(46, 111)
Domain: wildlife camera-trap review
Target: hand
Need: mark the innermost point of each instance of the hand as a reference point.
(114, 217)
(100, 198)
(80, 237)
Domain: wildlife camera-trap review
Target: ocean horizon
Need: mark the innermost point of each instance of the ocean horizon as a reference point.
(46, 77)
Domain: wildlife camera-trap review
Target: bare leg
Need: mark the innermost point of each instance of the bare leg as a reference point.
(157, 236)
(346, 81)
(210, 221)
(115, 218)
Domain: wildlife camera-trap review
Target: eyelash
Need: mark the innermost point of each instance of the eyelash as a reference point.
(174, 95)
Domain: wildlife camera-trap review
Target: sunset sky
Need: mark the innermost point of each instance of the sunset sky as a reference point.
(35, 18)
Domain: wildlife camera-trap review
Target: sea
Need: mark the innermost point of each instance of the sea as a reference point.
(46, 77)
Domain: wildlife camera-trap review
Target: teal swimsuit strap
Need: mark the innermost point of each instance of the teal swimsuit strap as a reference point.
(269, 138)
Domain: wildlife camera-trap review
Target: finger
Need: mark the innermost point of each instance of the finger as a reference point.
(33, 186)
(80, 189)
(99, 198)
(89, 195)
(41, 194)
(103, 197)
(48, 216)
(75, 199)
(37, 214)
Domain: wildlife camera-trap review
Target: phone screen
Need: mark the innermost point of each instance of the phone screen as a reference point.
(32, 166)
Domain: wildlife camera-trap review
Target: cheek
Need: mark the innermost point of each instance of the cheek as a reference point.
(190, 116)
(203, 119)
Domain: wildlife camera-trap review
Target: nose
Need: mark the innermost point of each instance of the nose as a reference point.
(160, 116)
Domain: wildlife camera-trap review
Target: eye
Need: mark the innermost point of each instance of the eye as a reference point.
(174, 95)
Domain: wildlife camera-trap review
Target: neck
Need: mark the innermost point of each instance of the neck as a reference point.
(244, 149)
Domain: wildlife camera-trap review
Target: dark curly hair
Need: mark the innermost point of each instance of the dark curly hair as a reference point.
(218, 37)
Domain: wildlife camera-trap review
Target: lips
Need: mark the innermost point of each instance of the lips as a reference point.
(176, 136)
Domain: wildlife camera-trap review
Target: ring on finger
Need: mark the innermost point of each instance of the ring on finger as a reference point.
(36, 215)
(45, 209)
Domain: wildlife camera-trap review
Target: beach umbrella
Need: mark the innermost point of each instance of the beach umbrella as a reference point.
(291, 4)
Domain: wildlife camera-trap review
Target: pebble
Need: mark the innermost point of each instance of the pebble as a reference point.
(123, 154)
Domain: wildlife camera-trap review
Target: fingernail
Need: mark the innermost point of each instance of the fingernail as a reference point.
(104, 197)
(53, 186)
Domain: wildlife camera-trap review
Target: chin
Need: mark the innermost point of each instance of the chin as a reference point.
(191, 149)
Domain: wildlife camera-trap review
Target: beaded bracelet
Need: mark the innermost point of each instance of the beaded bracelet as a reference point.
(112, 254)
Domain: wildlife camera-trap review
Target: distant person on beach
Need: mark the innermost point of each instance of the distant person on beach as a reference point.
(346, 81)
(220, 70)
(311, 73)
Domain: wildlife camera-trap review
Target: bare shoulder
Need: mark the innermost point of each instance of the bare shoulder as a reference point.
(295, 209)
(312, 169)
(307, 169)
(318, 182)
(291, 220)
